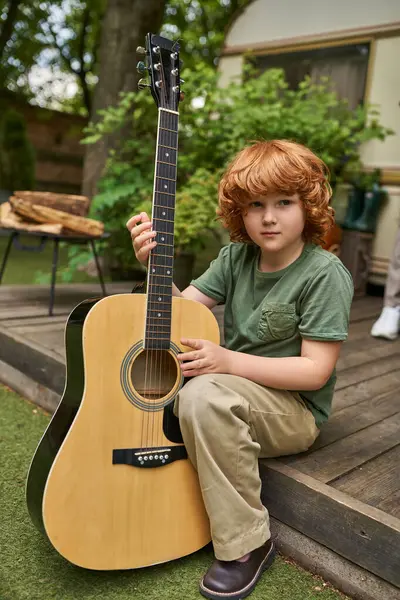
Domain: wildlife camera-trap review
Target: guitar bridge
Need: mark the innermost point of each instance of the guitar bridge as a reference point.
(148, 458)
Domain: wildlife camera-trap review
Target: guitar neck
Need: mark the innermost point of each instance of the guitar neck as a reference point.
(161, 259)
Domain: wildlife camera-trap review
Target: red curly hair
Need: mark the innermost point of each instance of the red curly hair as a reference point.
(276, 166)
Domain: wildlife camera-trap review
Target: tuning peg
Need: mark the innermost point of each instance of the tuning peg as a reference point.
(142, 84)
(141, 67)
(182, 80)
(182, 96)
(141, 50)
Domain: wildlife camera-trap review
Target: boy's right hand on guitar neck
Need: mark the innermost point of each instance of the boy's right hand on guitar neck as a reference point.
(142, 236)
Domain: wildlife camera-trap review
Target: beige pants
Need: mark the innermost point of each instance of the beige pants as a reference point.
(392, 288)
(227, 423)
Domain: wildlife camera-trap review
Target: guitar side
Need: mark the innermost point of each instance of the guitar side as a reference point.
(64, 415)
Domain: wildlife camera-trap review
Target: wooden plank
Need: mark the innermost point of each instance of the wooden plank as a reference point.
(366, 352)
(365, 308)
(38, 322)
(42, 329)
(33, 359)
(356, 417)
(52, 341)
(360, 329)
(375, 481)
(391, 504)
(368, 371)
(346, 454)
(366, 389)
(363, 534)
(34, 311)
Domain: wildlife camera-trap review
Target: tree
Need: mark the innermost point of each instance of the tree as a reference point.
(202, 26)
(124, 27)
(75, 38)
(21, 40)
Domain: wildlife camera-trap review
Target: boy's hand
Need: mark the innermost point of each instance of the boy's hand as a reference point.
(206, 357)
(142, 236)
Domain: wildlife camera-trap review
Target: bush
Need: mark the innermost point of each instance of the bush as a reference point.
(218, 124)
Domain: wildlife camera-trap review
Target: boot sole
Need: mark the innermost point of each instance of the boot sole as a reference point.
(246, 591)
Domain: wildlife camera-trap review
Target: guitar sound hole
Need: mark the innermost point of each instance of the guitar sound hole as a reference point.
(154, 373)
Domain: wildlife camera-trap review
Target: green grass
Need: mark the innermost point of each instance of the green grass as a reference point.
(24, 267)
(31, 570)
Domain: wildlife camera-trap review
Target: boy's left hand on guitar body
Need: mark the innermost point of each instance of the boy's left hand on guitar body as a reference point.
(206, 357)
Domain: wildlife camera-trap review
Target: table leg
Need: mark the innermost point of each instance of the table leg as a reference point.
(53, 276)
(103, 287)
(7, 252)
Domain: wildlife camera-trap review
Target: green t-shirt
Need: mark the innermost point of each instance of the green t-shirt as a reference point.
(268, 314)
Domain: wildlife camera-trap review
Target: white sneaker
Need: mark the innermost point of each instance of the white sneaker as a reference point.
(387, 326)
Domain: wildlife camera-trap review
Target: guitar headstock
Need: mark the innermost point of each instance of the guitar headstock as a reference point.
(163, 66)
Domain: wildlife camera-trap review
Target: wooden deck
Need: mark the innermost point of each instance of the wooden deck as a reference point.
(344, 492)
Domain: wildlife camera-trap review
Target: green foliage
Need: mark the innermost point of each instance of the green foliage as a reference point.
(64, 36)
(17, 162)
(366, 181)
(215, 123)
(201, 26)
(25, 41)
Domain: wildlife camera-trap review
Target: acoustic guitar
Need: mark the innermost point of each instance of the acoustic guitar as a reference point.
(110, 484)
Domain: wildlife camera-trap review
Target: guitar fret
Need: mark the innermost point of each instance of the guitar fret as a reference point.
(166, 193)
(167, 178)
(168, 285)
(162, 219)
(162, 162)
(171, 130)
(162, 206)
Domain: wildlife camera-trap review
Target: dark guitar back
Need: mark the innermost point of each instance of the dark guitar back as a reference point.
(64, 415)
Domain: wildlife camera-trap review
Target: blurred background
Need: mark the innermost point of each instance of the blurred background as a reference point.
(72, 120)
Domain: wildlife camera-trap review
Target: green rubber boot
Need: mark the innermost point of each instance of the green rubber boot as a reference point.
(367, 221)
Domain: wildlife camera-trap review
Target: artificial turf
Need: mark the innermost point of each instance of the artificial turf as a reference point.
(30, 569)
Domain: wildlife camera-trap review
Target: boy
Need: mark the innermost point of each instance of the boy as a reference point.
(267, 393)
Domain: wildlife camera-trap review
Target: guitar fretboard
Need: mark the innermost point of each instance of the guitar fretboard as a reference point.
(161, 260)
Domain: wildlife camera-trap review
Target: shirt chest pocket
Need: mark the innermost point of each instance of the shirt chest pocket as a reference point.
(277, 321)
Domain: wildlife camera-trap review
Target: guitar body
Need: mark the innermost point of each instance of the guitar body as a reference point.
(63, 417)
(103, 506)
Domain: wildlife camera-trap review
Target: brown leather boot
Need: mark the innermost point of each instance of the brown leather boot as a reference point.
(235, 580)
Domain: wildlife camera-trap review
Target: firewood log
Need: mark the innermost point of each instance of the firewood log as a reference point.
(70, 203)
(42, 214)
(10, 220)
